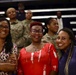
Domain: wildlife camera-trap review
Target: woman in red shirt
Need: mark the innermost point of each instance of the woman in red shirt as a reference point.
(38, 58)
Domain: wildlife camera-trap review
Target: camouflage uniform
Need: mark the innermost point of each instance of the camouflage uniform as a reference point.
(27, 25)
(18, 32)
(51, 39)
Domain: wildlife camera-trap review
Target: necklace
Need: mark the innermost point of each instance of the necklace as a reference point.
(36, 48)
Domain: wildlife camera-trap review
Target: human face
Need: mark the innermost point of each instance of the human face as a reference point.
(36, 33)
(28, 15)
(20, 6)
(63, 40)
(11, 13)
(4, 29)
(59, 14)
(53, 26)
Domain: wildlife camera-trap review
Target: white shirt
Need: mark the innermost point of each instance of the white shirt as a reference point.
(60, 23)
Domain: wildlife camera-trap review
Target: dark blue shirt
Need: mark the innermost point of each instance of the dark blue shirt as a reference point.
(20, 15)
(72, 64)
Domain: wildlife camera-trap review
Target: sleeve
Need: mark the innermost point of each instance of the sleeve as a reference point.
(54, 58)
(19, 69)
(44, 39)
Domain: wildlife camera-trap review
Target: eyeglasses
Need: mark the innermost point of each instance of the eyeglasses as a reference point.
(6, 27)
(36, 31)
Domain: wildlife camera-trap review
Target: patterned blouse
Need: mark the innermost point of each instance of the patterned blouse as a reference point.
(4, 56)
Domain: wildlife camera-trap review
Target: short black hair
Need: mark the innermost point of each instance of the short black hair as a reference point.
(47, 22)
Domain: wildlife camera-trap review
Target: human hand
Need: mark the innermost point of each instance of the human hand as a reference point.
(12, 59)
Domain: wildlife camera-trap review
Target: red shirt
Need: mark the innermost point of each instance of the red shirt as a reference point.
(41, 62)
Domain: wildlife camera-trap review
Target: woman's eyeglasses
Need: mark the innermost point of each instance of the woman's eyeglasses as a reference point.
(6, 27)
(36, 31)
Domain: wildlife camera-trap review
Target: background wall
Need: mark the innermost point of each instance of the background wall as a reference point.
(67, 7)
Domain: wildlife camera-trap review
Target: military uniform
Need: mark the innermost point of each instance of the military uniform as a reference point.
(18, 33)
(51, 39)
(27, 25)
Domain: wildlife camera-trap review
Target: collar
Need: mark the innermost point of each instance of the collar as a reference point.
(28, 21)
(15, 22)
(51, 37)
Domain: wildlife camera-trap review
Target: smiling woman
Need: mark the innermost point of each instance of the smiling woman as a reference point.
(65, 42)
(8, 50)
(38, 58)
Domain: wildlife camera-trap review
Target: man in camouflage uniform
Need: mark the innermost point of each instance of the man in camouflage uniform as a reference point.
(28, 20)
(18, 31)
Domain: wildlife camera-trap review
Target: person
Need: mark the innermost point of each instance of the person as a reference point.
(52, 28)
(20, 12)
(8, 50)
(63, 22)
(28, 20)
(51, 34)
(65, 42)
(38, 58)
(18, 31)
